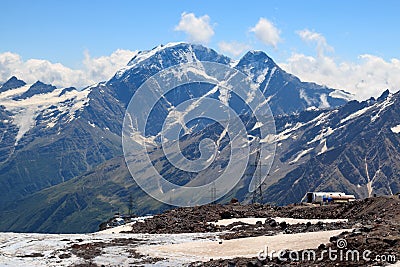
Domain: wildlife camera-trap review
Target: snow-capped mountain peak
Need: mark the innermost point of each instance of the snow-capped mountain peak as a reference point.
(12, 83)
(25, 103)
(143, 55)
(164, 56)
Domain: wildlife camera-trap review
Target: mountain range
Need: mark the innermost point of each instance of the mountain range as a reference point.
(61, 163)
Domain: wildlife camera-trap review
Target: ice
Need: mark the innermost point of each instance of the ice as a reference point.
(322, 118)
(377, 106)
(311, 108)
(204, 250)
(233, 63)
(178, 249)
(261, 75)
(324, 101)
(14, 92)
(26, 110)
(341, 94)
(125, 227)
(114, 256)
(382, 106)
(25, 120)
(269, 78)
(116, 230)
(300, 155)
(223, 134)
(304, 96)
(356, 114)
(324, 147)
(14, 246)
(284, 134)
(143, 55)
(323, 134)
(224, 95)
(257, 125)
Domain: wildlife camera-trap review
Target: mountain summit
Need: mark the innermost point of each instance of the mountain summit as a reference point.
(285, 93)
(12, 83)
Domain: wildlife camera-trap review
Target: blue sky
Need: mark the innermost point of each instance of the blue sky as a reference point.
(61, 31)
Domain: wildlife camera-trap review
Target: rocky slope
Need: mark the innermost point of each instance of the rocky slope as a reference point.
(372, 225)
(354, 149)
(327, 150)
(51, 135)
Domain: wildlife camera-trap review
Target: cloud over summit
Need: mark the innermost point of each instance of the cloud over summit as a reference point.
(368, 76)
(266, 32)
(198, 29)
(94, 69)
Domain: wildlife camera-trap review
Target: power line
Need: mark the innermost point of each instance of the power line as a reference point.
(257, 193)
(213, 193)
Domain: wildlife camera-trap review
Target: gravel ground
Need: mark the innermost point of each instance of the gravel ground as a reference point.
(192, 237)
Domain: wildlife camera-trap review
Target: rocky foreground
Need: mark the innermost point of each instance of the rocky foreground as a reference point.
(375, 224)
(372, 225)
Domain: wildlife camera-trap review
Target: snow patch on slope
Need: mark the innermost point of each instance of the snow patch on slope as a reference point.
(324, 101)
(285, 134)
(144, 55)
(300, 155)
(376, 108)
(396, 129)
(25, 111)
(323, 134)
(324, 147)
(356, 114)
(204, 250)
(261, 76)
(269, 79)
(341, 94)
(304, 96)
(382, 106)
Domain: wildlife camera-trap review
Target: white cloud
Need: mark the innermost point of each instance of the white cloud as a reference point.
(233, 48)
(198, 29)
(366, 77)
(93, 70)
(266, 32)
(104, 67)
(312, 36)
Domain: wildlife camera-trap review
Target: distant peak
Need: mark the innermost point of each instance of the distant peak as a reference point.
(66, 90)
(172, 44)
(256, 52)
(145, 54)
(170, 54)
(384, 95)
(36, 88)
(258, 59)
(12, 83)
(38, 83)
(256, 55)
(42, 84)
(12, 79)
